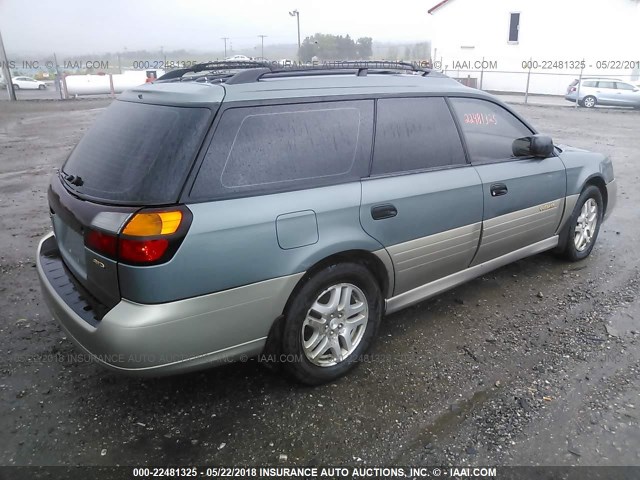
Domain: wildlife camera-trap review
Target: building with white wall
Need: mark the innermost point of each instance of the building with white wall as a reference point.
(557, 37)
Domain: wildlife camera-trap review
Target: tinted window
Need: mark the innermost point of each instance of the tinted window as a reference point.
(276, 148)
(413, 134)
(514, 27)
(488, 128)
(589, 83)
(138, 153)
(606, 85)
(623, 86)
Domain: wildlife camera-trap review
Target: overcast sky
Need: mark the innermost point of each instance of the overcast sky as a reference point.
(86, 26)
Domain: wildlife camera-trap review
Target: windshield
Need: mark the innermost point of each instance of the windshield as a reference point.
(137, 153)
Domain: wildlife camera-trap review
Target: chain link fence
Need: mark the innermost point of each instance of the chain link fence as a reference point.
(533, 81)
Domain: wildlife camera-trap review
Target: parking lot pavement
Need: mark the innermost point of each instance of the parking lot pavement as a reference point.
(545, 100)
(535, 363)
(49, 94)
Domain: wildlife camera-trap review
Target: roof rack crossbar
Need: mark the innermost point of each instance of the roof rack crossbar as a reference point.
(212, 66)
(248, 76)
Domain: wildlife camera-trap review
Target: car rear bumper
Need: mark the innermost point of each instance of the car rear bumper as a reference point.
(571, 97)
(172, 337)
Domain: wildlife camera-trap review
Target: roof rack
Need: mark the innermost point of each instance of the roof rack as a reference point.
(217, 66)
(249, 71)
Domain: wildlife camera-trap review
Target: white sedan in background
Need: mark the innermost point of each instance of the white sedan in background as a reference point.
(238, 58)
(28, 83)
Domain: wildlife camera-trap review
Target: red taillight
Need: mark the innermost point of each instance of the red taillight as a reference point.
(102, 243)
(573, 89)
(150, 237)
(142, 251)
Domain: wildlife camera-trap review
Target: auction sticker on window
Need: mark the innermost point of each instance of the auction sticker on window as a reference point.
(480, 119)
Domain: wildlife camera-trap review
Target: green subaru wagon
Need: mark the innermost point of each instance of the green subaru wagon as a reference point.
(233, 209)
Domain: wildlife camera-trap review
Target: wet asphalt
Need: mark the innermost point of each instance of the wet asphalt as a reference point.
(537, 363)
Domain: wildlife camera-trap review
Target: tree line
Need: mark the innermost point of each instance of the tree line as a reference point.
(335, 47)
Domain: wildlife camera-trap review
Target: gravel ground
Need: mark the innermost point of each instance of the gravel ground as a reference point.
(537, 363)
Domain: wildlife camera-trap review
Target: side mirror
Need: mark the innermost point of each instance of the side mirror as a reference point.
(540, 146)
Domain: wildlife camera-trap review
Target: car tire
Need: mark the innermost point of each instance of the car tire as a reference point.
(41, 87)
(585, 220)
(16, 87)
(330, 322)
(589, 101)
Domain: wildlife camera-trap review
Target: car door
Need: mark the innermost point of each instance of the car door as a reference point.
(606, 93)
(524, 198)
(422, 201)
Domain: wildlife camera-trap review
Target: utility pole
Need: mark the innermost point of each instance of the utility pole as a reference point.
(296, 14)
(59, 77)
(225, 45)
(6, 73)
(262, 46)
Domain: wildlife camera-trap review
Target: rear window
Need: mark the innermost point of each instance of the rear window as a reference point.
(623, 86)
(138, 153)
(269, 149)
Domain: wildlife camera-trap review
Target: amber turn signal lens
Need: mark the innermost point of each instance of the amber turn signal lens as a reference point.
(156, 223)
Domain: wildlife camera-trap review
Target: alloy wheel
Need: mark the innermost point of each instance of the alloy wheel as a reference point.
(335, 324)
(586, 225)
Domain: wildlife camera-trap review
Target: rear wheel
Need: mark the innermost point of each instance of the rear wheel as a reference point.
(331, 321)
(589, 101)
(16, 87)
(584, 224)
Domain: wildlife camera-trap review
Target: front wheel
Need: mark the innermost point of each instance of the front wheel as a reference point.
(331, 322)
(41, 87)
(584, 224)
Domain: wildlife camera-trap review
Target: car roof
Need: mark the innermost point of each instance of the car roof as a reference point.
(291, 87)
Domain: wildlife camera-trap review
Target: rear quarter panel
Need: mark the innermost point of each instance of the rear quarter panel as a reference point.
(235, 242)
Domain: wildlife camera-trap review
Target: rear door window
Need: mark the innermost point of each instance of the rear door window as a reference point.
(488, 128)
(606, 85)
(268, 149)
(137, 153)
(415, 134)
(589, 83)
